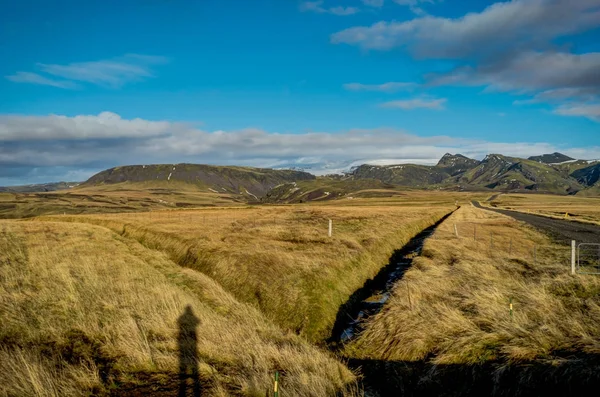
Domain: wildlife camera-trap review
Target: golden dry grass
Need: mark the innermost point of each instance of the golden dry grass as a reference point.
(124, 197)
(583, 209)
(460, 289)
(79, 303)
(279, 258)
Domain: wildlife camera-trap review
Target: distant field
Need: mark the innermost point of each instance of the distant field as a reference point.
(111, 199)
(585, 209)
(280, 258)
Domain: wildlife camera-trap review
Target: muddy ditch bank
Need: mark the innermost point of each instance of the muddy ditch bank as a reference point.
(371, 297)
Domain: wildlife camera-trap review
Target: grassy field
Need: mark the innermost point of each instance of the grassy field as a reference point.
(452, 306)
(584, 209)
(91, 302)
(85, 310)
(280, 258)
(118, 198)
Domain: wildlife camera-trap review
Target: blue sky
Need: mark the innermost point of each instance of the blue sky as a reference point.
(321, 85)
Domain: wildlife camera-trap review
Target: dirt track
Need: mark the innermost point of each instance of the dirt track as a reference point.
(555, 228)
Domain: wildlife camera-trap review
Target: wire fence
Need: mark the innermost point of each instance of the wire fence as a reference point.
(504, 245)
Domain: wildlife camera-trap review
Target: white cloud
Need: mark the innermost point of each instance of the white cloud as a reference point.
(556, 78)
(339, 10)
(34, 78)
(508, 47)
(113, 73)
(105, 125)
(391, 86)
(563, 73)
(111, 141)
(501, 27)
(416, 103)
(414, 5)
(373, 3)
(589, 110)
(317, 6)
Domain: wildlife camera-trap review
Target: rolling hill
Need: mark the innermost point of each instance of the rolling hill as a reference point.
(252, 182)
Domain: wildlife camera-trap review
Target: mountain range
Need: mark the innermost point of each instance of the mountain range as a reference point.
(549, 173)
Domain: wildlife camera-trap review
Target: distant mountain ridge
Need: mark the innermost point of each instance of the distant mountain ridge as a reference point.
(549, 173)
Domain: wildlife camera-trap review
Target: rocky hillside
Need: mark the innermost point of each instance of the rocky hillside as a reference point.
(402, 174)
(553, 158)
(510, 173)
(551, 173)
(456, 164)
(588, 176)
(255, 182)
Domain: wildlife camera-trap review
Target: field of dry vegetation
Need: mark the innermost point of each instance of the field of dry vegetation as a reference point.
(453, 305)
(280, 258)
(583, 209)
(85, 310)
(91, 303)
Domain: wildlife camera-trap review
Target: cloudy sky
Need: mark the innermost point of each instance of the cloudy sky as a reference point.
(88, 85)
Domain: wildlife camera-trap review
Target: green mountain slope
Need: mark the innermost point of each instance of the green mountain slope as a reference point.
(403, 174)
(553, 158)
(510, 173)
(329, 188)
(220, 179)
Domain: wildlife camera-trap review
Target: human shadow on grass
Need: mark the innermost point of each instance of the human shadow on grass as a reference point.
(187, 341)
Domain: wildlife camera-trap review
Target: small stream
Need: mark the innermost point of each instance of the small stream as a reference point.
(372, 296)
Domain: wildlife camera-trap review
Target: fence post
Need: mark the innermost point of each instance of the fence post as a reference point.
(330, 227)
(455, 230)
(573, 250)
(276, 385)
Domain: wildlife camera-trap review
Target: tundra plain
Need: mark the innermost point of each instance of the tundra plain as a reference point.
(91, 301)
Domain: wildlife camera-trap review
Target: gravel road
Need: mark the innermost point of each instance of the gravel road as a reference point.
(555, 228)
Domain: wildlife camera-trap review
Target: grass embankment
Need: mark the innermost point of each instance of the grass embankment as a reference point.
(280, 259)
(84, 310)
(452, 306)
(582, 209)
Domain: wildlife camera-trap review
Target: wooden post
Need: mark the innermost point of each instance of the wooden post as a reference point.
(330, 227)
(455, 230)
(573, 254)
